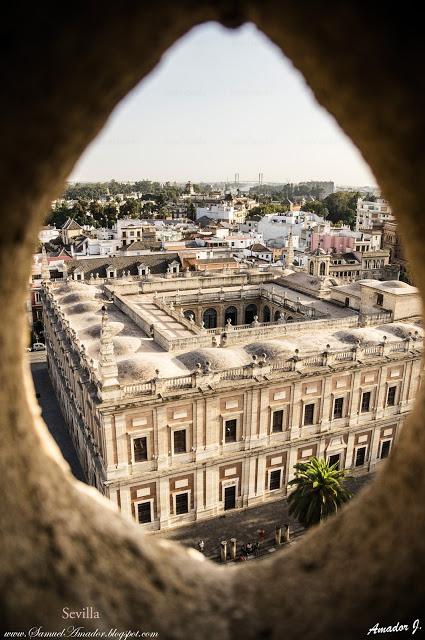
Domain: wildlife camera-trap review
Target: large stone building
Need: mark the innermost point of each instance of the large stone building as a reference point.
(189, 394)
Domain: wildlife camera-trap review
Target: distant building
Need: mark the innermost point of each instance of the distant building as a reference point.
(370, 213)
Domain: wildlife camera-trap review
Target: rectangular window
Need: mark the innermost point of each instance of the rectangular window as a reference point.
(391, 396)
(385, 449)
(277, 424)
(140, 449)
(182, 503)
(308, 414)
(360, 457)
(274, 482)
(179, 438)
(230, 431)
(144, 512)
(366, 402)
(334, 459)
(338, 406)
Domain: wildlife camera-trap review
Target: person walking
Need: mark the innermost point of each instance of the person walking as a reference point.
(201, 545)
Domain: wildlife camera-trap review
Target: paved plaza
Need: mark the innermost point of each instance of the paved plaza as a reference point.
(244, 525)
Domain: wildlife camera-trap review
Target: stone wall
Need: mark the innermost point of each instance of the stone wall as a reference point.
(62, 79)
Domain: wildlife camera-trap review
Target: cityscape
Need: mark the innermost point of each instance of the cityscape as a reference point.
(202, 341)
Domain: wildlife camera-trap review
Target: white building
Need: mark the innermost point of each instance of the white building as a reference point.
(220, 212)
(369, 213)
(48, 233)
(277, 227)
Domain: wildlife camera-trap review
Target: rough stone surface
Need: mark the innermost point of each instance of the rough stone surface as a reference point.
(61, 544)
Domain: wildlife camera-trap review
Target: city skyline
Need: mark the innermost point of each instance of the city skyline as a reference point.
(188, 120)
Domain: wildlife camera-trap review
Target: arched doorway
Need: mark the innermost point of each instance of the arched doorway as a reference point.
(188, 314)
(266, 314)
(232, 314)
(210, 318)
(322, 269)
(276, 315)
(311, 268)
(250, 312)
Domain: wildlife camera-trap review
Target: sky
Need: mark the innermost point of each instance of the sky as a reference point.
(222, 102)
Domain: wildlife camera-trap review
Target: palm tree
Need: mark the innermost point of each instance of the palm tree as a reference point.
(319, 491)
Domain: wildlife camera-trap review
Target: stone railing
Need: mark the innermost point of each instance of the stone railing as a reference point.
(203, 376)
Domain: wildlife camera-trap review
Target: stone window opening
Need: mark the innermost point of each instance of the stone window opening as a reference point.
(391, 396)
(181, 502)
(360, 121)
(385, 448)
(140, 449)
(275, 479)
(309, 414)
(277, 421)
(144, 511)
(338, 408)
(179, 441)
(230, 430)
(366, 401)
(360, 456)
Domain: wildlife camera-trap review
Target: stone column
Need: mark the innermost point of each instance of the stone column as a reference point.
(199, 504)
(126, 503)
(261, 474)
(286, 533)
(292, 460)
(252, 477)
(277, 535)
(233, 548)
(163, 502)
(122, 443)
(223, 550)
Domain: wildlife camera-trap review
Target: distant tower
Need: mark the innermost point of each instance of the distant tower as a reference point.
(108, 369)
(318, 263)
(45, 272)
(289, 259)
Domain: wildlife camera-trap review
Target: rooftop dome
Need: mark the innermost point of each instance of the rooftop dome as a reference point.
(395, 284)
(135, 370)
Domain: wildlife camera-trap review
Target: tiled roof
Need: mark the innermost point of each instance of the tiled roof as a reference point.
(259, 248)
(157, 263)
(142, 245)
(71, 225)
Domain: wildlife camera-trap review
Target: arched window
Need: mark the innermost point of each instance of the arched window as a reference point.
(322, 269)
(276, 315)
(311, 268)
(266, 314)
(250, 312)
(210, 318)
(232, 314)
(188, 314)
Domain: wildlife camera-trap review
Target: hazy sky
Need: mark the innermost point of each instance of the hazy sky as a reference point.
(222, 102)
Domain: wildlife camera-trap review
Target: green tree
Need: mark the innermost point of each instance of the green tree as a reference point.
(130, 209)
(319, 491)
(342, 207)
(261, 210)
(316, 206)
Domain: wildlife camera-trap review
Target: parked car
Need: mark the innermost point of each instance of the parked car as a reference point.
(38, 346)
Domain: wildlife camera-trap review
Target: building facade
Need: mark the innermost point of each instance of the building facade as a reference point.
(176, 423)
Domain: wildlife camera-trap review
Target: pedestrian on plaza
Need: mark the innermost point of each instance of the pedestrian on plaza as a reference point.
(243, 550)
(257, 548)
(201, 545)
(249, 548)
(261, 535)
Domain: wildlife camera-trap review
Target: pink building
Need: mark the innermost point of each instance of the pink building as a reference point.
(330, 241)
